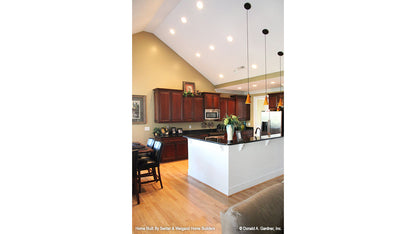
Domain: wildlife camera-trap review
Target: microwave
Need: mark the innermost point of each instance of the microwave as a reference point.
(212, 114)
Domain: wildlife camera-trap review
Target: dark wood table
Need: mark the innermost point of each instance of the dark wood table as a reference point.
(139, 152)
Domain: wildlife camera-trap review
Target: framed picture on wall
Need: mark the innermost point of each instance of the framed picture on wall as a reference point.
(188, 86)
(139, 109)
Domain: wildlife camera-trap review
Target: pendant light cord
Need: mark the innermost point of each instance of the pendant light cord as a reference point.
(280, 75)
(248, 72)
(265, 65)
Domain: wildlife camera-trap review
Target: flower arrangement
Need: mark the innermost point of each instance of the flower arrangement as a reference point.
(234, 122)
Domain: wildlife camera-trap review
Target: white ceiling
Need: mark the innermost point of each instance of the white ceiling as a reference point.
(210, 26)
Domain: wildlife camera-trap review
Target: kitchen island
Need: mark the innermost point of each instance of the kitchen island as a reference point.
(238, 165)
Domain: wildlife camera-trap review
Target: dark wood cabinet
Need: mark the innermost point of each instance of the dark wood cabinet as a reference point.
(176, 106)
(211, 100)
(223, 107)
(274, 100)
(174, 148)
(242, 110)
(188, 109)
(162, 106)
(172, 107)
(216, 101)
(168, 105)
(227, 107)
(231, 106)
(198, 109)
(181, 149)
(193, 109)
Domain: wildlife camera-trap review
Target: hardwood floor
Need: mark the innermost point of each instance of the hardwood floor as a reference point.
(184, 202)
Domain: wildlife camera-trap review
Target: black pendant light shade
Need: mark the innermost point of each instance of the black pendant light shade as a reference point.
(280, 53)
(247, 6)
(265, 31)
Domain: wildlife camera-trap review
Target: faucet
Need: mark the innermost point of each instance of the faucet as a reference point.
(255, 133)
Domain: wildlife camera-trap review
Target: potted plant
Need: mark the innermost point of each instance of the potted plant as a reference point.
(188, 93)
(231, 123)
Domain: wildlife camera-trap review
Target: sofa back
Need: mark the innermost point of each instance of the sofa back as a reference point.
(264, 209)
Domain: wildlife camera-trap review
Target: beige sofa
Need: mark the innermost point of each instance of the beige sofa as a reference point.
(261, 213)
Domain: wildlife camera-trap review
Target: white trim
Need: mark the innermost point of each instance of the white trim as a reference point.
(248, 184)
(256, 119)
(237, 92)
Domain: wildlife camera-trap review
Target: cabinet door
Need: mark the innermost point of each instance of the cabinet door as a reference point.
(187, 109)
(273, 101)
(162, 106)
(231, 106)
(239, 108)
(247, 112)
(208, 98)
(215, 101)
(177, 106)
(198, 109)
(168, 151)
(242, 110)
(182, 149)
(223, 107)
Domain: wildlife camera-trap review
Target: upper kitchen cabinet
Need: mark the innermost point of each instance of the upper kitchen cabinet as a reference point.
(274, 100)
(242, 110)
(198, 109)
(227, 107)
(211, 100)
(168, 105)
(193, 109)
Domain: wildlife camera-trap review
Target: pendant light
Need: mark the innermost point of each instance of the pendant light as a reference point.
(266, 103)
(247, 6)
(280, 105)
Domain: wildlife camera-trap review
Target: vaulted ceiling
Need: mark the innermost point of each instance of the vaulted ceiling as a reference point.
(190, 31)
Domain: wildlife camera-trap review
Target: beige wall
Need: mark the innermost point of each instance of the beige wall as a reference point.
(155, 65)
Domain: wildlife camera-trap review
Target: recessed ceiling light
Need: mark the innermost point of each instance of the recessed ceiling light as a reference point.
(230, 38)
(198, 55)
(221, 76)
(239, 87)
(254, 66)
(254, 85)
(184, 20)
(172, 31)
(272, 82)
(211, 47)
(200, 5)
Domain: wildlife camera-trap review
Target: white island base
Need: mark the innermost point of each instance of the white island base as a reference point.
(233, 168)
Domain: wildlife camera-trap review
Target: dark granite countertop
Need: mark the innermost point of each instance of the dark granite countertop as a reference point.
(211, 132)
(235, 142)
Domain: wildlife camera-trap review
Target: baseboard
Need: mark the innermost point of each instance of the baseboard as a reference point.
(240, 187)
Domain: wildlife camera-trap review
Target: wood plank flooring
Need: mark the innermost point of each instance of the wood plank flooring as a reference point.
(184, 202)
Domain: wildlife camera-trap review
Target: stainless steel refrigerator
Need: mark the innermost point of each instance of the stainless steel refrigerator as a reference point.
(271, 122)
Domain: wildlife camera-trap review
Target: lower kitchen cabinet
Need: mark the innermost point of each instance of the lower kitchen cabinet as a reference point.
(174, 148)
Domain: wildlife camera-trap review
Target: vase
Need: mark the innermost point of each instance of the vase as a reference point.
(238, 134)
(230, 132)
